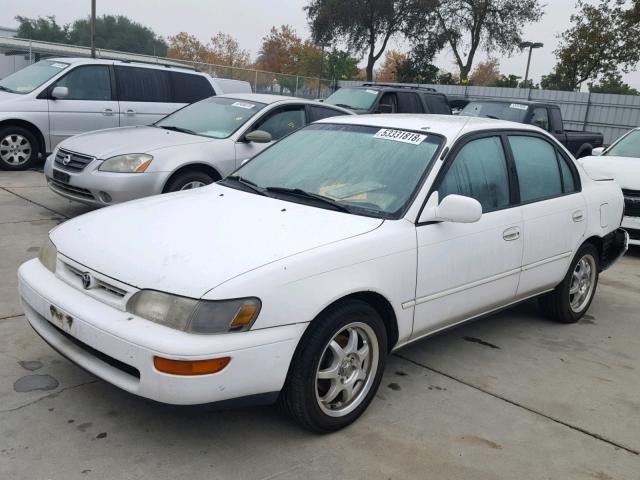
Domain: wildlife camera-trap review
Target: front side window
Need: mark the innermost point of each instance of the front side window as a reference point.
(627, 146)
(355, 98)
(512, 111)
(282, 122)
(143, 85)
(369, 170)
(479, 171)
(540, 118)
(31, 77)
(537, 166)
(90, 82)
(214, 117)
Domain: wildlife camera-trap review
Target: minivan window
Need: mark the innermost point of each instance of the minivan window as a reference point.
(31, 77)
(188, 88)
(88, 82)
(143, 84)
(513, 111)
(356, 98)
(215, 117)
(537, 167)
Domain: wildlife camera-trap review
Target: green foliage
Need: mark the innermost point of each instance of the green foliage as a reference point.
(510, 81)
(341, 65)
(613, 83)
(418, 68)
(557, 80)
(112, 33)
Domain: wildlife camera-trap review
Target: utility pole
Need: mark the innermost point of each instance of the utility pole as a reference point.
(93, 28)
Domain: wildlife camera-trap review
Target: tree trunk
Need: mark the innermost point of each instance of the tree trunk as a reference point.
(370, 64)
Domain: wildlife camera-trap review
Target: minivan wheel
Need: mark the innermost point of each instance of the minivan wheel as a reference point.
(188, 180)
(18, 148)
(337, 368)
(571, 299)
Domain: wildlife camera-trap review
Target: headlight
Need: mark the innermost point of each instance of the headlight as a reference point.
(195, 316)
(48, 255)
(131, 163)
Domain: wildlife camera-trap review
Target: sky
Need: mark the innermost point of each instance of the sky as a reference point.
(250, 20)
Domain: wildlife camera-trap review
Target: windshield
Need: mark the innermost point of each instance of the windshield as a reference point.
(214, 117)
(627, 146)
(31, 77)
(370, 170)
(356, 98)
(514, 112)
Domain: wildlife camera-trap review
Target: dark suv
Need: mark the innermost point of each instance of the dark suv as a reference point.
(383, 98)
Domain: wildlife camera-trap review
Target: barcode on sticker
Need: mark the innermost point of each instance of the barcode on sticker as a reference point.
(400, 136)
(518, 106)
(248, 106)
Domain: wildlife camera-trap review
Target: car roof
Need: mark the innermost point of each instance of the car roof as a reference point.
(268, 99)
(403, 88)
(450, 126)
(508, 100)
(104, 61)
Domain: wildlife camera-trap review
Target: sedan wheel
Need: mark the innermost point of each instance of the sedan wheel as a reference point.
(192, 185)
(582, 283)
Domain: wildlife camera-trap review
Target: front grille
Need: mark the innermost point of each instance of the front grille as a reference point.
(71, 161)
(631, 203)
(96, 283)
(70, 189)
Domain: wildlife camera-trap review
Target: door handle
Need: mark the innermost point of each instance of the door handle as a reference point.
(107, 112)
(131, 112)
(511, 234)
(578, 216)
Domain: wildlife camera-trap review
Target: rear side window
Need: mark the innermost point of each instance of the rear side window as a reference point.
(91, 82)
(188, 88)
(318, 113)
(537, 166)
(409, 103)
(143, 85)
(437, 104)
(479, 171)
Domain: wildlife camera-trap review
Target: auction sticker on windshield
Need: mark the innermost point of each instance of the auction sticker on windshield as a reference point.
(518, 106)
(248, 106)
(400, 136)
(373, 92)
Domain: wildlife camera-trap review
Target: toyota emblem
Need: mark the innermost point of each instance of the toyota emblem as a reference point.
(66, 160)
(86, 280)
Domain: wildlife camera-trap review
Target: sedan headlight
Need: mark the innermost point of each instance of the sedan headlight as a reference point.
(48, 255)
(195, 316)
(130, 163)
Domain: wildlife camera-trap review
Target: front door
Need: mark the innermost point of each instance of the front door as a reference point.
(89, 105)
(468, 269)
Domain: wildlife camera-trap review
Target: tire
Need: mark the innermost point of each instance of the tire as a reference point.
(188, 180)
(19, 148)
(565, 306)
(301, 397)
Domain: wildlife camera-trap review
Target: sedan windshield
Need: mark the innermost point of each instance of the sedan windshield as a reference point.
(215, 117)
(514, 112)
(627, 146)
(31, 77)
(364, 170)
(356, 98)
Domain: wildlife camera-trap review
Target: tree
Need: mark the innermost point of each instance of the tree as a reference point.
(187, 47)
(509, 81)
(112, 33)
(613, 83)
(557, 80)
(467, 25)
(392, 61)
(602, 39)
(365, 26)
(281, 52)
(418, 67)
(486, 73)
(225, 50)
(341, 65)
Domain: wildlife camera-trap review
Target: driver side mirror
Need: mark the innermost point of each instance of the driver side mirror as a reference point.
(258, 136)
(453, 208)
(59, 93)
(596, 152)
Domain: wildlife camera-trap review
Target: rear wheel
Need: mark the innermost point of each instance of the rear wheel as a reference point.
(189, 180)
(337, 368)
(571, 299)
(18, 148)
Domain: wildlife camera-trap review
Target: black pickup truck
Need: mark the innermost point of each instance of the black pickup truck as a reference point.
(390, 98)
(544, 115)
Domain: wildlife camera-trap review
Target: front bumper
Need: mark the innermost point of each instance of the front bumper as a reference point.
(119, 347)
(632, 225)
(89, 185)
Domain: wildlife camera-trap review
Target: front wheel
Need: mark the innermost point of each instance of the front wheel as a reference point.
(571, 299)
(337, 368)
(18, 148)
(188, 180)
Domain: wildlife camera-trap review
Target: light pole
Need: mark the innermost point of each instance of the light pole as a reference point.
(93, 28)
(321, 69)
(530, 46)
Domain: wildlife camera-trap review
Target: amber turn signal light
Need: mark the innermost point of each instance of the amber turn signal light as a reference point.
(190, 367)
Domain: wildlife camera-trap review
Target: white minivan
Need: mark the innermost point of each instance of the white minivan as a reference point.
(53, 99)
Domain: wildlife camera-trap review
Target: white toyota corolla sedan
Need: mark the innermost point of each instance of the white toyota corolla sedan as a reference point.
(295, 277)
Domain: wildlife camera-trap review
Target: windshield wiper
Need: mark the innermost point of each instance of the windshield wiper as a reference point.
(312, 196)
(344, 105)
(491, 117)
(178, 129)
(248, 184)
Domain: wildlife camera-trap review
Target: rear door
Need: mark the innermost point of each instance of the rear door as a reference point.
(145, 95)
(90, 104)
(409, 102)
(553, 209)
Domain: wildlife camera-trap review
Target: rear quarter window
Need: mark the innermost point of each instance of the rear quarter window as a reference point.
(189, 88)
(437, 104)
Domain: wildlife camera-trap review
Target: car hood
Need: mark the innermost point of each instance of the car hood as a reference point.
(187, 243)
(624, 170)
(117, 141)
